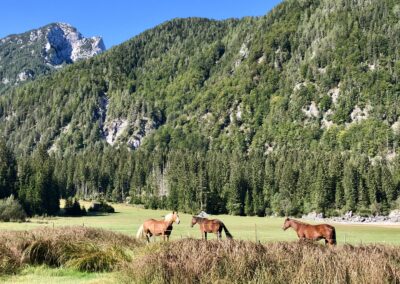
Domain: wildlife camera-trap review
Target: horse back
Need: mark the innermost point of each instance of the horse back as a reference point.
(153, 222)
(211, 225)
(327, 226)
(325, 229)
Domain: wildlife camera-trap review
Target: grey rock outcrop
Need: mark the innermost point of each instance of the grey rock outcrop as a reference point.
(66, 45)
(350, 217)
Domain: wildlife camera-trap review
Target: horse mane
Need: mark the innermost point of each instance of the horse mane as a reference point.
(169, 217)
(200, 219)
(298, 222)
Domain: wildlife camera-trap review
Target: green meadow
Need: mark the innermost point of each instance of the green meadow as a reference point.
(264, 229)
(128, 219)
(44, 274)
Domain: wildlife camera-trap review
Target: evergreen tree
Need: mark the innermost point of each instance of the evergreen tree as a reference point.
(8, 171)
(349, 187)
(38, 191)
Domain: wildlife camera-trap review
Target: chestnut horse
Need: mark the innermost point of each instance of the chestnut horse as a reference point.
(312, 232)
(210, 226)
(162, 228)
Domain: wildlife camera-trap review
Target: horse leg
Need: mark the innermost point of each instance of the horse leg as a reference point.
(330, 242)
(301, 238)
(205, 236)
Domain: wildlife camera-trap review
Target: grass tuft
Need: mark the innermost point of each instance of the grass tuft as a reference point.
(83, 249)
(94, 258)
(9, 261)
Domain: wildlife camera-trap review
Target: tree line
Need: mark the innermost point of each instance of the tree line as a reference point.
(288, 182)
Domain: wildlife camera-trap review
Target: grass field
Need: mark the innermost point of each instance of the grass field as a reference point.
(44, 274)
(128, 219)
(265, 229)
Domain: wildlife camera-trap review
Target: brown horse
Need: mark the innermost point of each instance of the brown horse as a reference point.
(210, 226)
(162, 228)
(312, 232)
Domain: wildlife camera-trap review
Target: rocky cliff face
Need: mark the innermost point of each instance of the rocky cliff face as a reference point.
(65, 45)
(27, 55)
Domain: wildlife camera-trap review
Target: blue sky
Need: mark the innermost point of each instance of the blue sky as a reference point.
(119, 20)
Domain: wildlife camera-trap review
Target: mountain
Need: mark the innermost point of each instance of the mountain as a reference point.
(287, 113)
(27, 55)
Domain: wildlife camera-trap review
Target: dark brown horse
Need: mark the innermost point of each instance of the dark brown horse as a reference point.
(210, 226)
(312, 232)
(162, 228)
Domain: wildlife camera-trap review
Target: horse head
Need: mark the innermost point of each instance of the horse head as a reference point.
(287, 224)
(172, 217)
(194, 221)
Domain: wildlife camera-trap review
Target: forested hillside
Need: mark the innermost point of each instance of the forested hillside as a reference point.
(287, 113)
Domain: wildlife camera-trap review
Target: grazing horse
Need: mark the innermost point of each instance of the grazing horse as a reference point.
(210, 226)
(312, 232)
(162, 228)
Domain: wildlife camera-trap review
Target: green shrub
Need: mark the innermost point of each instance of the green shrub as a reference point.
(101, 207)
(74, 208)
(11, 210)
(364, 212)
(332, 213)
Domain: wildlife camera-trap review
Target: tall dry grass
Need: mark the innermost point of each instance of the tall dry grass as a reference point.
(196, 261)
(84, 249)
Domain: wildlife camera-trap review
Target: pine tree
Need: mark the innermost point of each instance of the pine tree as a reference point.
(248, 205)
(8, 171)
(349, 187)
(38, 191)
(388, 186)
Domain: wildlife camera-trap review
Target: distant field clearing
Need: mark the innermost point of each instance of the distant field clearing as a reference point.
(264, 229)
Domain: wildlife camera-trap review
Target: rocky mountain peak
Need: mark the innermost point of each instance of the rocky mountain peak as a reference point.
(39, 51)
(66, 44)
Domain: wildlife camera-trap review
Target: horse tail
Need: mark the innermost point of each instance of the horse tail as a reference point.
(334, 236)
(227, 233)
(139, 233)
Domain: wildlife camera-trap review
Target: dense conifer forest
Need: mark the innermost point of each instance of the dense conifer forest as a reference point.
(292, 112)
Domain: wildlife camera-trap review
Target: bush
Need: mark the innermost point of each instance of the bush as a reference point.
(101, 207)
(11, 210)
(74, 208)
(364, 212)
(332, 213)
